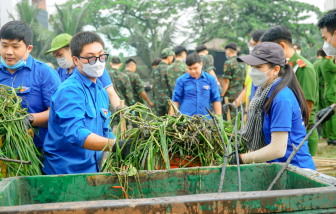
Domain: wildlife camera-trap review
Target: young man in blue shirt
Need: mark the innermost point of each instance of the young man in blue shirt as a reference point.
(38, 80)
(196, 90)
(61, 50)
(78, 123)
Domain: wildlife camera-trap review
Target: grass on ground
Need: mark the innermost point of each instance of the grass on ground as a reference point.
(326, 151)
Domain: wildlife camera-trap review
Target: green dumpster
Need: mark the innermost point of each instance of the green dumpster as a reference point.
(189, 190)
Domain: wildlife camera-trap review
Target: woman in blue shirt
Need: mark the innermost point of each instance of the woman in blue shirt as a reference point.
(278, 112)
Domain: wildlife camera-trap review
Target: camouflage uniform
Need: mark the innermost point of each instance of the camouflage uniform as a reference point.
(123, 88)
(161, 91)
(235, 72)
(208, 63)
(174, 71)
(137, 85)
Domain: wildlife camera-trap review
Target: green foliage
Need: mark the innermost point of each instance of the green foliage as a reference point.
(69, 19)
(42, 37)
(236, 19)
(148, 26)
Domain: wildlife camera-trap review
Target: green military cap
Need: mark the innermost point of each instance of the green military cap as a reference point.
(116, 59)
(59, 42)
(167, 52)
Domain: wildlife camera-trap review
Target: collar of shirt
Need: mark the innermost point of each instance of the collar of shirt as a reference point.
(293, 59)
(28, 64)
(233, 57)
(273, 87)
(86, 80)
(188, 75)
(163, 63)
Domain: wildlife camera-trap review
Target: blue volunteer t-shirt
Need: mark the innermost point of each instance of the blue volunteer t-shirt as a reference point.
(195, 95)
(104, 79)
(253, 90)
(39, 82)
(78, 108)
(285, 116)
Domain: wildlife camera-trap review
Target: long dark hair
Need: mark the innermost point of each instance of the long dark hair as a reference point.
(289, 79)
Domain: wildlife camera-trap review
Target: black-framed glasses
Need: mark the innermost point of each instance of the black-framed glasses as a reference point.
(93, 59)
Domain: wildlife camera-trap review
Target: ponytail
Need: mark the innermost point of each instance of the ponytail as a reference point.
(289, 79)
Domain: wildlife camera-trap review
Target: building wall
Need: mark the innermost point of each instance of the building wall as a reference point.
(329, 5)
(5, 8)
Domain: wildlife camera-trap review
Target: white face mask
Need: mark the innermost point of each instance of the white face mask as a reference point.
(95, 70)
(328, 48)
(64, 63)
(298, 51)
(259, 78)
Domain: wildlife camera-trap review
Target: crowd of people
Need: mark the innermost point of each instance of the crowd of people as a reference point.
(285, 94)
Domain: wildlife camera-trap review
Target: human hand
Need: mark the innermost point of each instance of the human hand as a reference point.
(234, 159)
(322, 112)
(228, 106)
(124, 146)
(118, 108)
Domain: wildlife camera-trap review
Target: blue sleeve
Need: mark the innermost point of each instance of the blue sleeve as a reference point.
(252, 91)
(105, 79)
(49, 84)
(214, 92)
(71, 111)
(281, 116)
(178, 91)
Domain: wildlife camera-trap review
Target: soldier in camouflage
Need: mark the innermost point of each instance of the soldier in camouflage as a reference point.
(138, 85)
(177, 68)
(160, 85)
(122, 85)
(156, 62)
(234, 74)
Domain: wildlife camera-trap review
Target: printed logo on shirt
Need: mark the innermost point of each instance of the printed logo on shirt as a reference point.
(23, 89)
(105, 111)
(206, 87)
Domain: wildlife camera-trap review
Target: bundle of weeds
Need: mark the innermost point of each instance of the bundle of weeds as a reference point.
(157, 140)
(16, 142)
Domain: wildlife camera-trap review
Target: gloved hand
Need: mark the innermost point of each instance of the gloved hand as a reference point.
(126, 150)
(118, 108)
(26, 123)
(148, 88)
(28, 127)
(228, 106)
(220, 89)
(322, 112)
(233, 160)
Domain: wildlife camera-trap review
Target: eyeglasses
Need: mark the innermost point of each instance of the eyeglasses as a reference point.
(93, 59)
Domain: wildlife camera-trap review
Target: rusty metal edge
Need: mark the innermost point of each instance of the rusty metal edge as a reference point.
(187, 199)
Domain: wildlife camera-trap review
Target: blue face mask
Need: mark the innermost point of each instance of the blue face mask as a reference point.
(17, 65)
(226, 56)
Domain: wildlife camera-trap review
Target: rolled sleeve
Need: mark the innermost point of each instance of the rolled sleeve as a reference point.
(178, 91)
(282, 113)
(50, 82)
(228, 71)
(138, 84)
(214, 92)
(82, 134)
(105, 79)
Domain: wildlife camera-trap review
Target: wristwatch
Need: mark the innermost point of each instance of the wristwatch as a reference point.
(31, 118)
